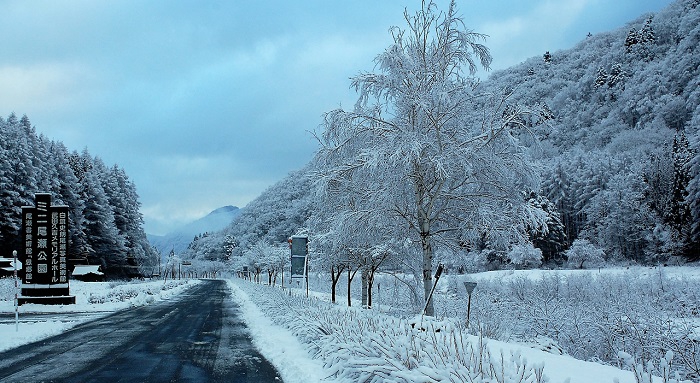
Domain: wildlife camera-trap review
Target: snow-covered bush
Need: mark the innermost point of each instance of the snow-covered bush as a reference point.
(590, 315)
(362, 346)
(7, 289)
(644, 374)
(525, 256)
(584, 253)
(137, 294)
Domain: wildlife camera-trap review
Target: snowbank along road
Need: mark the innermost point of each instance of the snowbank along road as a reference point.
(195, 338)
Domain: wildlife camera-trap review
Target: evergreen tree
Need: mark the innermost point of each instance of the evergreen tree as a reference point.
(617, 75)
(551, 238)
(646, 34)
(68, 193)
(679, 214)
(106, 246)
(19, 182)
(601, 77)
(129, 222)
(631, 40)
(693, 198)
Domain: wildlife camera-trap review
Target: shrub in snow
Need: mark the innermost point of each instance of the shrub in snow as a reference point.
(644, 374)
(583, 253)
(525, 256)
(7, 289)
(547, 344)
(363, 346)
(137, 294)
(590, 315)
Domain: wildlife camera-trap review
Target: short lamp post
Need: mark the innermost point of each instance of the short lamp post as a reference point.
(469, 286)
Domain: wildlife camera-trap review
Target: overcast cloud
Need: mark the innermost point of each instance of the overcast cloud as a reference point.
(206, 104)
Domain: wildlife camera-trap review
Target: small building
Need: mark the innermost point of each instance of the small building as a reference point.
(88, 273)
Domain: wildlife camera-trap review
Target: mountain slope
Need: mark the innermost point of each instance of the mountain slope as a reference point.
(625, 111)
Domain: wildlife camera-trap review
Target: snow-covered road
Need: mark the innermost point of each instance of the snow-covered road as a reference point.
(197, 337)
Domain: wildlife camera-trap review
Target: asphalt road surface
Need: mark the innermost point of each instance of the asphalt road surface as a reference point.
(198, 337)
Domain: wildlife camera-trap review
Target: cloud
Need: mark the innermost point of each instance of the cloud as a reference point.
(541, 28)
(52, 84)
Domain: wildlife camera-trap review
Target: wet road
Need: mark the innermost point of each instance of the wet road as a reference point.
(195, 338)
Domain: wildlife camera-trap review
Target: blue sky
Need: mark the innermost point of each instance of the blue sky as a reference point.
(208, 103)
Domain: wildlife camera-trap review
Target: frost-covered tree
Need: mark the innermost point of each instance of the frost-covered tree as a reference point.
(693, 197)
(679, 216)
(525, 256)
(106, 247)
(583, 253)
(19, 178)
(620, 220)
(550, 239)
(445, 176)
(601, 77)
(129, 221)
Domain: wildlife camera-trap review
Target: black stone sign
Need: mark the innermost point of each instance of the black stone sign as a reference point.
(44, 255)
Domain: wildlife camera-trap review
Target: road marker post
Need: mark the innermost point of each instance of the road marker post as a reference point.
(14, 263)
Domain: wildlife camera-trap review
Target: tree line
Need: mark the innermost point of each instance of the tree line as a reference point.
(106, 226)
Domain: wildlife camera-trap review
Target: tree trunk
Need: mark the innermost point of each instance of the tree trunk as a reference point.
(424, 210)
(365, 282)
(333, 284)
(349, 282)
(351, 275)
(427, 273)
(370, 282)
(335, 277)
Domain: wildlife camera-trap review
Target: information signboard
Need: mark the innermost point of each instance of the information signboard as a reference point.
(299, 245)
(298, 266)
(45, 250)
(299, 260)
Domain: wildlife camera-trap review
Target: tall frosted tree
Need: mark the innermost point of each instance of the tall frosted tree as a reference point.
(68, 193)
(18, 181)
(445, 176)
(679, 216)
(129, 220)
(693, 197)
(105, 246)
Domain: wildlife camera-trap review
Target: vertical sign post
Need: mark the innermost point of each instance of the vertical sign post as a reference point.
(45, 232)
(469, 286)
(14, 264)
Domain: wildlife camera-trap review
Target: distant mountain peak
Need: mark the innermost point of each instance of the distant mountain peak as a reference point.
(180, 238)
(224, 209)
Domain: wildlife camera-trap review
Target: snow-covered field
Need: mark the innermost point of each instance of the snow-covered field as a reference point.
(352, 343)
(311, 339)
(93, 299)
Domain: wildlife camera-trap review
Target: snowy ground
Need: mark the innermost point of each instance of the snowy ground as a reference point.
(288, 328)
(278, 343)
